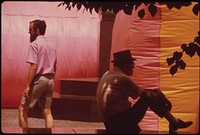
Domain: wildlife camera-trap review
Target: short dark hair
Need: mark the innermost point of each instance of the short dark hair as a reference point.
(41, 25)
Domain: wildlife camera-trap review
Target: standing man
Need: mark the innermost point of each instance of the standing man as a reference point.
(40, 82)
(113, 91)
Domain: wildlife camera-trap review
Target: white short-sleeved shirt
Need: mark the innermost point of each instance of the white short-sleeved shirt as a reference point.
(113, 91)
(42, 53)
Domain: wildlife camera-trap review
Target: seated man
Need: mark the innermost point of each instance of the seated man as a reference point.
(113, 91)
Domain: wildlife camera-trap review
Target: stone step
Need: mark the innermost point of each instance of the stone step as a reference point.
(71, 107)
(76, 100)
(78, 86)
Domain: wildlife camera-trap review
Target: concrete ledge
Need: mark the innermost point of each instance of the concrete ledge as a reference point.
(53, 131)
(61, 131)
(9, 130)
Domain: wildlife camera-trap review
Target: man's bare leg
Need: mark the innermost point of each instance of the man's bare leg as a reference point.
(48, 118)
(23, 117)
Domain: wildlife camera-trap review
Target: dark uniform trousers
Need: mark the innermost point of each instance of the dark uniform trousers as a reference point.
(127, 121)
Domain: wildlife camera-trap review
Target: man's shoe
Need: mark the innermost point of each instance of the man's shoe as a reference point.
(180, 124)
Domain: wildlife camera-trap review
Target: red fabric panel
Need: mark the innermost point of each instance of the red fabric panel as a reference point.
(141, 36)
(77, 44)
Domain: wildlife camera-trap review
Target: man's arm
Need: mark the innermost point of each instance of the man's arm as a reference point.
(31, 74)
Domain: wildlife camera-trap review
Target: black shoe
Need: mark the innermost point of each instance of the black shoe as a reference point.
(180, 124)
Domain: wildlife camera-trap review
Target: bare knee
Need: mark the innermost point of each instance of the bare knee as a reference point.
(48, 118)
(22, 109)
(46, 112)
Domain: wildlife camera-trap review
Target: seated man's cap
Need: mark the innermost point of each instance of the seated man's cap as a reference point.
(122, 56)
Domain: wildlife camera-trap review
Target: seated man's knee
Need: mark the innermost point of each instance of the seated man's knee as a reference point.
(150, 95)
(159, 105)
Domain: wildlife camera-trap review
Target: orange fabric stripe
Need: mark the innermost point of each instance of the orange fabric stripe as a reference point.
(178, 27)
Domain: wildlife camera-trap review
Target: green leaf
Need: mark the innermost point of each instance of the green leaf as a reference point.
(79, 6)
(195, 9)
(152, 9)
(183, 47)
(170, 61)
(177, 55)
(181, 64)
(141, 13)
(173, 69)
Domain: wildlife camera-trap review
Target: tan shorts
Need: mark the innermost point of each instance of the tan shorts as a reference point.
(41, 91)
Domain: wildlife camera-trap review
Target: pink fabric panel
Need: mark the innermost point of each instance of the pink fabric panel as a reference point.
(75, 34)
(142, 37)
